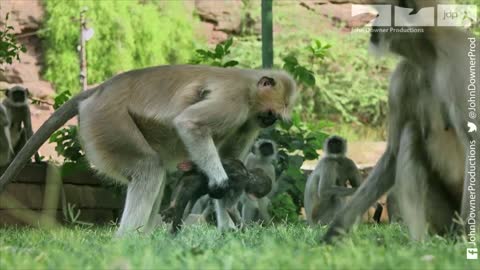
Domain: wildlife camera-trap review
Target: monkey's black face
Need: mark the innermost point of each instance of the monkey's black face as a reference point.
(266, 149)
(335, 146)
(266, 119)
(18, 96)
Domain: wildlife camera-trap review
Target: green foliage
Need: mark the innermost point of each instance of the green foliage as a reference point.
(128, 35)
(348, 84)
(216, 56)
(283, 209)
(475, 28)
(61, 98)
(299, 72)
(9, 47)
(67, 144)
(297, 141)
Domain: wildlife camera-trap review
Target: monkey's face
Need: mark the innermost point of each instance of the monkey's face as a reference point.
(335, 145)
(266, 149)
(275, 97)
(17, 94)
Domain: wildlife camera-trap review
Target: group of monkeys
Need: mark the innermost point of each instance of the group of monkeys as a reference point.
(253, 184)
(334, 179)
(139, 125)
(15, 122)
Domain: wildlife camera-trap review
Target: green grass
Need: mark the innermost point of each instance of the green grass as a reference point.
(200, 247)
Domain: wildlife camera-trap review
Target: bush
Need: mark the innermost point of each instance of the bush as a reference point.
(128, 35)
(9, 47)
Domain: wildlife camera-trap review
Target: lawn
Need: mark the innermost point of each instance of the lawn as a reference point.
(201, 247)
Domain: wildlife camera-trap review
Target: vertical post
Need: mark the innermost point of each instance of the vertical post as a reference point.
(267, 34)
(83, 51)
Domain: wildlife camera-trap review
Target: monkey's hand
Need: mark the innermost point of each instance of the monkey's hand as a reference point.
(217, 191)
(218, 183)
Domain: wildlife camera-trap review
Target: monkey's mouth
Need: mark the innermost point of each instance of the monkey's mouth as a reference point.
(267, 119)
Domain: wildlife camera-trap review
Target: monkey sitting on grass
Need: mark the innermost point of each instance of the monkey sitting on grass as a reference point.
(326, 190)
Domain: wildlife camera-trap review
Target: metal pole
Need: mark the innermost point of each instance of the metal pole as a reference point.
(267, 34)
(83, 51)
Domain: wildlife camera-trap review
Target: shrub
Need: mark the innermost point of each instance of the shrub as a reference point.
(128, 35)
(9, 47)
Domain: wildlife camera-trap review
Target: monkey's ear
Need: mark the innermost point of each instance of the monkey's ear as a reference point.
(27, 92)
(266, 83)
(7, 92)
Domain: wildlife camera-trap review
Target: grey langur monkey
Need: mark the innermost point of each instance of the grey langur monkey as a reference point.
(141, 123)
(6, 150)
(430, 152)
(263, 156)
(326, 190)
(18, 111)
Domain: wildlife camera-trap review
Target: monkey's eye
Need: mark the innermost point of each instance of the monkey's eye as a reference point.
(266, 82)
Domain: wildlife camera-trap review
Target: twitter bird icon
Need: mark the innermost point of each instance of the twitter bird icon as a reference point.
(471, 127)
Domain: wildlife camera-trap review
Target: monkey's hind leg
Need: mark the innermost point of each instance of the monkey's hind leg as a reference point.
(144, 195)
(379, 181)
(411, 182)
(21, 142)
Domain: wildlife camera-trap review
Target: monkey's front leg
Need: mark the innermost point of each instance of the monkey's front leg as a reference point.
(224, 222)
(199, 143)
(380, 180)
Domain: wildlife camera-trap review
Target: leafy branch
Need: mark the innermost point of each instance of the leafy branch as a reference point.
(9, 47)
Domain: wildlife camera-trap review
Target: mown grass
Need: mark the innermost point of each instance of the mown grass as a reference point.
(201, 247)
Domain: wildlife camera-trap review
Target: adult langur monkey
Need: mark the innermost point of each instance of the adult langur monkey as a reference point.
(6, 150)
(326, 190)
(262, 158)
(429, 150)
(141, 123)
(18, 110)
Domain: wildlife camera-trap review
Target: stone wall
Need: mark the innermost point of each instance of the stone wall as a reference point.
(95, 203)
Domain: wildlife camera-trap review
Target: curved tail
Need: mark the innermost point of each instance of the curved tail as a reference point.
(66, 112)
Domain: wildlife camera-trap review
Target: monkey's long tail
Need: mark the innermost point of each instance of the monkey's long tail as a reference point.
(66, 112)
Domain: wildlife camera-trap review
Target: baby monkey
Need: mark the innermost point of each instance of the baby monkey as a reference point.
(326, 190)
(193, 184)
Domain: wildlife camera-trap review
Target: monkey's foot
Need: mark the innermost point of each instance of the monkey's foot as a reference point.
(331, 236)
